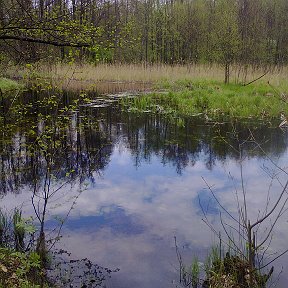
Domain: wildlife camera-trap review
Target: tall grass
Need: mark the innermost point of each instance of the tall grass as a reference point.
(4, 228)
(230, 270)
(19, 230)
(9, 85)
(88, 74)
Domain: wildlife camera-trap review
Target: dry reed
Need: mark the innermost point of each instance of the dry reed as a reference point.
(88, 76)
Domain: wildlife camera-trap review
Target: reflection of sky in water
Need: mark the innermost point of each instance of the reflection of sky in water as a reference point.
(207, 204)
(128, 218)
(113, 218)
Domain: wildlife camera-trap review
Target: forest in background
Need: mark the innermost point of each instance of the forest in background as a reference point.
(246, 32)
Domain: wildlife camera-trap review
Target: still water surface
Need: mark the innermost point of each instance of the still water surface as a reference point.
(137, 182)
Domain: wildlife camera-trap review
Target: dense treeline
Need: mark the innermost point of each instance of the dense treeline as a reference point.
(151, 31)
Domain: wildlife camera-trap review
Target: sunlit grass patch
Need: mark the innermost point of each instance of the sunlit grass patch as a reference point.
(214, 99)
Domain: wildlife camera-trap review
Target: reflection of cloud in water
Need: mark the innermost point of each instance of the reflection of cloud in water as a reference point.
(132, 215)
(172, 209)
(112, 217)
(143, 260)
(207, 204)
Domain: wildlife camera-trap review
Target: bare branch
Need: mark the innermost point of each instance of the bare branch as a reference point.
(219, 203)
(273, 208)
(41, 41)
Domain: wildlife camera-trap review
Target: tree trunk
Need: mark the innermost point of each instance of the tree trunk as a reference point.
(227, 73)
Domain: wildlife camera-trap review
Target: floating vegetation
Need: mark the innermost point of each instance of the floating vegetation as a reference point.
(106, 100)
(67, 272)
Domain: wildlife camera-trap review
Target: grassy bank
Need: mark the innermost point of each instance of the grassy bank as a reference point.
(202, 91)
(214, 99)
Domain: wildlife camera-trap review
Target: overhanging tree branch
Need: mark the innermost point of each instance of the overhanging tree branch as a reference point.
(41, 41)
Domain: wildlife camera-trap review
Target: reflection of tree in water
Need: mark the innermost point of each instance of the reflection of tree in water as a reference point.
(182, 145)
(72, 143)
(81, 140)
(149, 135)
(44, 138)
(46, 145)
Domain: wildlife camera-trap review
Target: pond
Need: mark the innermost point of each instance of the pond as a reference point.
(124, 185)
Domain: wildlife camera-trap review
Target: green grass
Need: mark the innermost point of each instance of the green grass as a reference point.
(7, 85)
(219, 271)
(215, 100)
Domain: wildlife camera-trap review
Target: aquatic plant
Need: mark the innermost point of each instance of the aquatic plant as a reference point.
(195, 272)
(19, 230)
(67, 272)
(19, 263)
(4, 228)
(230, 270)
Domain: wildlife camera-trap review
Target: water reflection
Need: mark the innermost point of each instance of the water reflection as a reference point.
(162, 204)
(85, 139)
(141, 180)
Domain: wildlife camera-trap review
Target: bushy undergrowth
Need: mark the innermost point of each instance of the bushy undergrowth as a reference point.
(24, 261)
(20, 264)
(7, 85)
(229, 271)
(18, 269)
